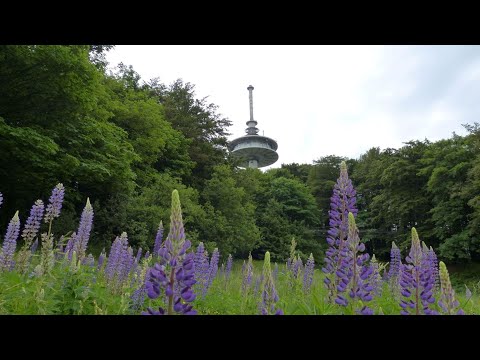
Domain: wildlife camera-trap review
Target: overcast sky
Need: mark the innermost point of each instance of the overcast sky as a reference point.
(323, 100)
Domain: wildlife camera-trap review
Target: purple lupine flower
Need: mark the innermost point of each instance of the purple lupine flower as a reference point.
(70, 244)
(112, 260)
(376, 280)
(275, 272)
(33, 223)
(228, 270)
(147, 255)
(212, 270)
(125, 265)
(291, 258)
(29, 233)
(393, 276)
(138, 297)
(158, 239)
(308, 273)
(139, 255)
(258, 283)
(119, 255)
(201, 268)
(395, 261)
(89, 261)
(448, 303)
(177, 286)
(80, 241)
(101, 259)
(10, 244)
(432, 257)
(47, 258)
(115, 258)
(342, 203)
(175, 272)
(55, 203)
(269, 293)
(288, 264)
(354, 276)
(297, 267)
(199, 256)
(417, 281)
(136, 261)
(34, 246)
(247, 274)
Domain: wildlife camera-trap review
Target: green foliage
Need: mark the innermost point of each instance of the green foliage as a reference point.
(199, 122)
(392, 196)
(286, 209)
(230, 214)
(447, 164)
(299, 171)
(55, 128)
(159, 146)
(150, 205)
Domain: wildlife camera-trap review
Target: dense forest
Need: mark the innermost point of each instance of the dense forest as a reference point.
(126, 143)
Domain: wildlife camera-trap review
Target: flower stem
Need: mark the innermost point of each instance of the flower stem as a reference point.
(170, 298)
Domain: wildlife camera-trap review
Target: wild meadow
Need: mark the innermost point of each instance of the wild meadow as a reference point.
(46, 273)
(119, 196)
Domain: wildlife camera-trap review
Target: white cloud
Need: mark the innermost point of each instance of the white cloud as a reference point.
(321, 100)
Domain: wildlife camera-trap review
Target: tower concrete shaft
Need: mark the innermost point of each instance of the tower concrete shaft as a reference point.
(252, 129)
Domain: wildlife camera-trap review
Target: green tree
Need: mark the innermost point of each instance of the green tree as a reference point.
(300, 171)
(159, 146)
(55, 128)
(321, 180)
(392, 196)
(286, 209)
(447, 164)
(230, 214)
(199, 122)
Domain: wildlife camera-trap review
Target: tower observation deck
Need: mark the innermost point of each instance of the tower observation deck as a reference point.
(255, 151)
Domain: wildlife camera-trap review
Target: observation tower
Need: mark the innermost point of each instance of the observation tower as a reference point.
(255, 151)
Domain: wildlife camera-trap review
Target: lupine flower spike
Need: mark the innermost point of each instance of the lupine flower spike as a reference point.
(376, 281)
(308, 274)
(269, 293)
(158, 239)
(201, 269)
(55, 203)
(212, 270)
(343, 202)
(29, 233)
(80, 241)
(354, 276)
(174, 274)
(228, 268)
(448, 303)
(10, 244)
(247, 272)
(417, 281)
(393, 276)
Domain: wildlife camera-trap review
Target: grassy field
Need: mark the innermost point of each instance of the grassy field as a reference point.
(226, 298)
(84, 290)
